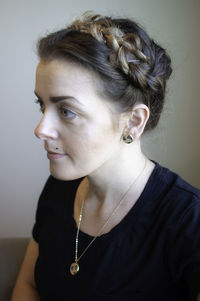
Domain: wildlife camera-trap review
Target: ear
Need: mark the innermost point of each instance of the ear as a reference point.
(137, 120)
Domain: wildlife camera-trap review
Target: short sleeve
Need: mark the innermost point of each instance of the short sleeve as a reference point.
(52, 205)
(184, 251)
(41, 209)
(35, 232)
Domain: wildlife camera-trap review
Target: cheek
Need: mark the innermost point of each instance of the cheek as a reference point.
(95, 140)
(90, 136)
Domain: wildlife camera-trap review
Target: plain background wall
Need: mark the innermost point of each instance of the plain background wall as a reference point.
(175, 143)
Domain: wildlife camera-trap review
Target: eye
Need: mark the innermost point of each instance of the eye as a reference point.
(41, 104)
(68, 114)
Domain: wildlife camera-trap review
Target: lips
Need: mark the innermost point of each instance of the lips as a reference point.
(54, 156)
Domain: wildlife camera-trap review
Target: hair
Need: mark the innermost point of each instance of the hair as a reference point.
(132, 68)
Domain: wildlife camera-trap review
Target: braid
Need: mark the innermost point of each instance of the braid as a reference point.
(132, 67)
(126, 48)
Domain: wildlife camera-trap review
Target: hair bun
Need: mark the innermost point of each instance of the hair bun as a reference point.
(131, 66)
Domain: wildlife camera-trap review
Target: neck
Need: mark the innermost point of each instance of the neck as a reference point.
(111, 181)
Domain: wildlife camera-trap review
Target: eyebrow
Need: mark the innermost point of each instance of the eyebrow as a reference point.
(55, 99)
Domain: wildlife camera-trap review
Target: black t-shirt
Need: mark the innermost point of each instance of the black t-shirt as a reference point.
(152, 254)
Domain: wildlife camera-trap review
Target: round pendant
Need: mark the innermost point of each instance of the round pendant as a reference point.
(74, 268)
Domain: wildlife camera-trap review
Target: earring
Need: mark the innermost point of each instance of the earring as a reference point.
(128, 139)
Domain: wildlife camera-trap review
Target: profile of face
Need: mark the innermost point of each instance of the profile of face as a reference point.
(78, 126)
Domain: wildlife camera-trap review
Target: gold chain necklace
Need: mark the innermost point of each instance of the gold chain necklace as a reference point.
(74, 268)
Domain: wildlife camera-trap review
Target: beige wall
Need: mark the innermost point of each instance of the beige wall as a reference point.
(23, 166)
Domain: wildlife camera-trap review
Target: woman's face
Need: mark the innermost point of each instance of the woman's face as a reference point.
(77, 126)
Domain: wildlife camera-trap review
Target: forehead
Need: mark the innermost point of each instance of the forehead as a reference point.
(59, 77)
(62, 75)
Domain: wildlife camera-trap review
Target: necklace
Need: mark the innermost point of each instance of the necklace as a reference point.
(74, 268)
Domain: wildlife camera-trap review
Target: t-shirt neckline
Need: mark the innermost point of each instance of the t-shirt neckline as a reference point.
(132, 213)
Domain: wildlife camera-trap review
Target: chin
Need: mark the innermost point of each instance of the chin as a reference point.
(63, 175)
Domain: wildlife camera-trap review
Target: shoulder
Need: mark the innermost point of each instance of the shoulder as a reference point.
(56, 192)
(174, 186)
(171, 197)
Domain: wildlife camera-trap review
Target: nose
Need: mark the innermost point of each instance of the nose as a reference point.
(45, 129)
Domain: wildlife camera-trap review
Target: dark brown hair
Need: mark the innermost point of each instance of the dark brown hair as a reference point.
(132, 67)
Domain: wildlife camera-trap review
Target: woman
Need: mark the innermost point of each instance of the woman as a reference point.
(110, 223)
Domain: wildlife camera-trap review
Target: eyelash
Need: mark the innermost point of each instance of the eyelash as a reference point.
(62, 110)
(38, 101)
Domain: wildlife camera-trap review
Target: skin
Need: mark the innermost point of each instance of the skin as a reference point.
(88, 138)
(25, 289)
(86, 129)
(90, 135)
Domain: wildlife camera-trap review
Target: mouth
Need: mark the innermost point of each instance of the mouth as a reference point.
(55, 156)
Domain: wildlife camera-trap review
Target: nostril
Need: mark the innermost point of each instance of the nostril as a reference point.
(39, 132)
(43, 132)
(36, 132)
(46, 128)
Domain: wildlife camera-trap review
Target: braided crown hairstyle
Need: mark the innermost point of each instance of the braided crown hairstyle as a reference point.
(131, 67)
